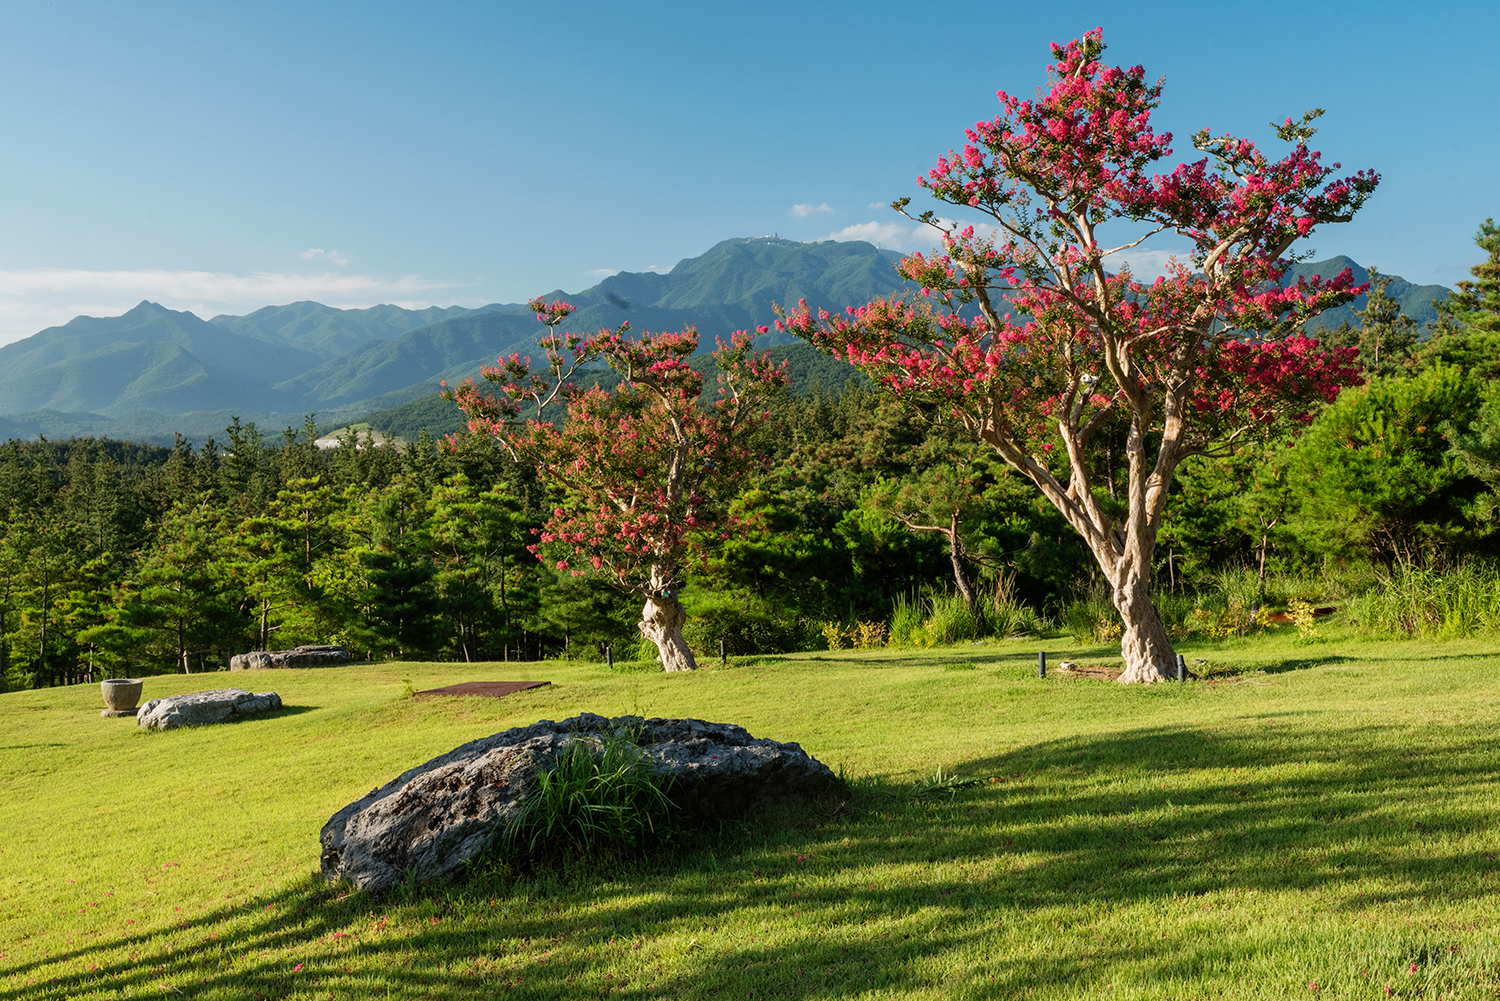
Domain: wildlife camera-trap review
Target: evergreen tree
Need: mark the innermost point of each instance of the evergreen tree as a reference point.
(179, 605)
(1386, 337)
(1374, 473)
(1467, 331)
(479, 543)
(400, 606)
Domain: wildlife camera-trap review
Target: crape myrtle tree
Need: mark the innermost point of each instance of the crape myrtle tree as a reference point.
(1034, 337)
(646, 469)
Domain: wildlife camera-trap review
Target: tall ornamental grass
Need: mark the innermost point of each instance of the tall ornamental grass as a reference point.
(1413, 601)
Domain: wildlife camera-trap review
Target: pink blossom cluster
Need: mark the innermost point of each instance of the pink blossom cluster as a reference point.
(551, 313)
(646, 468)
(1030, 335)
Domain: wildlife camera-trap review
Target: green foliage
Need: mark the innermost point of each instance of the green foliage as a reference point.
(1386, 337)
(1092, 619)
(1374, 474)
(599, 795)
(747, 624)
(936, 618)
(588, 614)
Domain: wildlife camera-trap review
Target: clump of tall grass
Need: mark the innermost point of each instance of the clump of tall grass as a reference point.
(1414, 601)
(600, 795)
(939, 619)
(908, 620)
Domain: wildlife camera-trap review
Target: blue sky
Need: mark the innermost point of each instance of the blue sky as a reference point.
(225, 156)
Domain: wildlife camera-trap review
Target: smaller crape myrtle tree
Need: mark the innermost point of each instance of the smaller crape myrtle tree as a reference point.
(647, 469)
(1191, 364)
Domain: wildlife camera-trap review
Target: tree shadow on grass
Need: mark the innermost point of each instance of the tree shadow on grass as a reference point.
(907, 895)
(282, 710)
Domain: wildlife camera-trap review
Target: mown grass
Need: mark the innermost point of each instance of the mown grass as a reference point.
(1330, 822)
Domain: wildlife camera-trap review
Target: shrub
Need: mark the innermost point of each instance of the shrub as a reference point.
(745, 625)
(868, 635)
(834, 635)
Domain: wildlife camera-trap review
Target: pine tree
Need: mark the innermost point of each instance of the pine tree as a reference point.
(1467, 331)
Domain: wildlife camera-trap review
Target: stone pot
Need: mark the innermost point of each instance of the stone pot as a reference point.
(121, 694)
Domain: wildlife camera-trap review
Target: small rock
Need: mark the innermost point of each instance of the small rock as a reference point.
(203, 708)
(432, 819)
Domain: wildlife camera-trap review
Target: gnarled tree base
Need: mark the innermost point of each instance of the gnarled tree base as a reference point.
(1144, 645)
(661, 622)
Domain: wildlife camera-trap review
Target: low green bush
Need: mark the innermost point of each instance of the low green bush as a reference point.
(746, 626)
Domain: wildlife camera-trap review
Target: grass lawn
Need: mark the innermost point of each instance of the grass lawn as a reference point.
(1328, 828)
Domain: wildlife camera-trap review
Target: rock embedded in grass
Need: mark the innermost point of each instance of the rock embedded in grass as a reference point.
(203, 708)
(323, 655)
(430, 821)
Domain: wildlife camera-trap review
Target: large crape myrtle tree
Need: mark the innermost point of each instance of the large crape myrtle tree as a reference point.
(1032, 335)
(646, 469)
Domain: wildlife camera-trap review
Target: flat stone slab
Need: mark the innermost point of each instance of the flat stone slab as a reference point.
(428, 822)
(118, 712)
(204, 708)
(489, 689)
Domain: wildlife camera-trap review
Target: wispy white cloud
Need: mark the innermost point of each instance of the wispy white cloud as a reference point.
(33, 299)
(602, 273)
(318, 253)
(889, 235)
(803, 211)
(1146, 264)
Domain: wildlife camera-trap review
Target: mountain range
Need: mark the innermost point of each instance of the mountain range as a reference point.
(155, 372)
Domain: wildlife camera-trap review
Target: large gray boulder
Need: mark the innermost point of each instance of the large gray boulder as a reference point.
(430, 821)
(321, 655)
(203, 708)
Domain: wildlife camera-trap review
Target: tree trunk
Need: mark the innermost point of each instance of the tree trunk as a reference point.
(1144, 643)
(960, 576)
(661, 623)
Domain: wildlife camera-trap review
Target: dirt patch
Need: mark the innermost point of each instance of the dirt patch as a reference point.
(487, 689)
(1098, 672)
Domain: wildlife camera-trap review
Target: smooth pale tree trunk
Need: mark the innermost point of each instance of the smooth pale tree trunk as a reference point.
(661, 622)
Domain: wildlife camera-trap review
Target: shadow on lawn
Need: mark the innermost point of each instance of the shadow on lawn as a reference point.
(1150, 816)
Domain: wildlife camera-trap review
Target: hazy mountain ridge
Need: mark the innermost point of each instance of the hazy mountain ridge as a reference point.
(1415, 300)
(153, 371)
(328, 332)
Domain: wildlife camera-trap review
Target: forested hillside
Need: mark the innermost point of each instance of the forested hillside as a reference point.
(154, 373)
